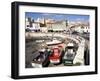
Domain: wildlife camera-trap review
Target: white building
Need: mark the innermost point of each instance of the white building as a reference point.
(33, 26)
(27, 23)
(57, 26)
(82, 29)
(44, 29)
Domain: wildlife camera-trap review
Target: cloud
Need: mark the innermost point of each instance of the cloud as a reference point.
(80, 19)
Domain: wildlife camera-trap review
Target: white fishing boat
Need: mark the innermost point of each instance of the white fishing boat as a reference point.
(53, 42)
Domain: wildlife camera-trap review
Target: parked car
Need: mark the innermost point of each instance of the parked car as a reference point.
(42, 60)
(69, 54)
(27, 30)
(55, 56)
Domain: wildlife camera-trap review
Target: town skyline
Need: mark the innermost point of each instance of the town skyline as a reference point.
(54, 16)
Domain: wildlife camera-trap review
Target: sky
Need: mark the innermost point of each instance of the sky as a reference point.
(69, 17)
